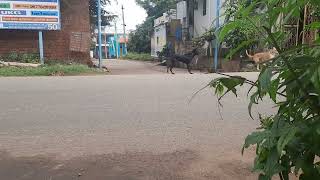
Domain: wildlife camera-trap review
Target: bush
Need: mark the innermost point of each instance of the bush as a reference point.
(22, 58)
(30, 58)
(13, 56)
(288, 141)
(138, 56)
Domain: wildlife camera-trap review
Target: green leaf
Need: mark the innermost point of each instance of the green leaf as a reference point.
(309, 177)
(255, 138)
(232, 83)
(248, 10)
(286, 138)
(314, 26)
(258, 165)
(315, 79)
(274, 89)
(302, 61)
(272, 165)
(219, 89)
(264, 177)
(239, 47)
(288, 16)
(228, 28)
(253, 100)
(265, 79)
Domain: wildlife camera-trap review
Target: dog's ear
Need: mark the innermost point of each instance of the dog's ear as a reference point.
(275, 50)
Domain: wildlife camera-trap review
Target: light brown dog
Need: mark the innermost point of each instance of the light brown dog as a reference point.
(263, 57)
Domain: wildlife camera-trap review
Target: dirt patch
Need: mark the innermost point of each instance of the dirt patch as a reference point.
(129, 166)
(178, 165)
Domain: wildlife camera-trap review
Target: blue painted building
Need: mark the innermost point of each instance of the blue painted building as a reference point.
(113, 46)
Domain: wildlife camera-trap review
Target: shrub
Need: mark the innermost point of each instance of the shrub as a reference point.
(138, 56)
(23, 58)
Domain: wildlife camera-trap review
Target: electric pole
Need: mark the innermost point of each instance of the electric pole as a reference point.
(217, 44)
(99, 32)
(124, 31)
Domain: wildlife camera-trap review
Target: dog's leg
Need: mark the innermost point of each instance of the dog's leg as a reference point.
(172, 64)
(168, 63)
(189, 68)
(171, 70)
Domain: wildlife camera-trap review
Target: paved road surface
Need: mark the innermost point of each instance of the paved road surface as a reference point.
(122, 127)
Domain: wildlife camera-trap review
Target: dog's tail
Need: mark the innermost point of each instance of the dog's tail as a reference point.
(250, 56)
(162, 63)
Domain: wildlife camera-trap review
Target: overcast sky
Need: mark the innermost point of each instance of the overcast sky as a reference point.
(134, 14)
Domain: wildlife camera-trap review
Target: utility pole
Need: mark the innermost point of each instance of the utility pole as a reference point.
(124, 32)
(99, 33)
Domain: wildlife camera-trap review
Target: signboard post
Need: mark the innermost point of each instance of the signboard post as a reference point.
(41, 51)
(40, 15)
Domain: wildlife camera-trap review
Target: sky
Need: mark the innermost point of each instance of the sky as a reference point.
(134, 14)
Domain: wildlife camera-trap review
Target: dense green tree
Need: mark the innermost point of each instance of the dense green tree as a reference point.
(106, 17)
(139, 40)
(155, 8)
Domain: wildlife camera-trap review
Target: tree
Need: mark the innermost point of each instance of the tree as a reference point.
(140, 39)
(106, 17)
(289, 140)
(155, 8)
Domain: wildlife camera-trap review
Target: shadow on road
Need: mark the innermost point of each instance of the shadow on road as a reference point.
(180, 165)
(131, 67)
(129, 166)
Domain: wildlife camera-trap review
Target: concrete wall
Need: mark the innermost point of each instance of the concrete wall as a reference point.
(75, 18)
(204, 22)
(182, 12)
(159, 39)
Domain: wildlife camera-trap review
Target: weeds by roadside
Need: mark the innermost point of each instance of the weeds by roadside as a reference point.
(49, 70)
(138, 56)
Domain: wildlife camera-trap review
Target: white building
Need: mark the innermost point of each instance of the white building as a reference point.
(159, 37)
(195, 16)
(201, 15)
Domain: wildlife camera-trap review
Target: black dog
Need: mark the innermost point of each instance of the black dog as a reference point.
(186, 59)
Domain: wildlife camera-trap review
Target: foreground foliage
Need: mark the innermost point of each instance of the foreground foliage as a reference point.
(288, 141)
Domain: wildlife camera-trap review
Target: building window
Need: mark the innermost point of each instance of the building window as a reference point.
(157, 40)
(204, 7)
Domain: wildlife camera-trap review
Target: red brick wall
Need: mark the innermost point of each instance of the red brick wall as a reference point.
(75, 18)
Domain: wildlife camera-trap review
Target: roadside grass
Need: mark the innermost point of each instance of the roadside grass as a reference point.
(50, 70)
(138, 56)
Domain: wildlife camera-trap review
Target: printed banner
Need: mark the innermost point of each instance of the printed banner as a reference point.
(30, 14)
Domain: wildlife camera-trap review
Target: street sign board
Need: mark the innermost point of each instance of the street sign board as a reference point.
(30, 14)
